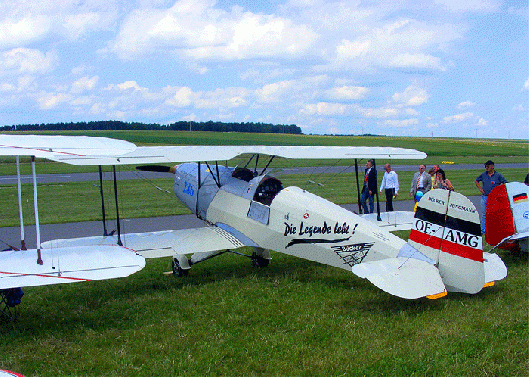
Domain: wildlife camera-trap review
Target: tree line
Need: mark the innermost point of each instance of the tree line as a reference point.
(177, 126)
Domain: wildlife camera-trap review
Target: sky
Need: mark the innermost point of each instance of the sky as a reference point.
(436, 68)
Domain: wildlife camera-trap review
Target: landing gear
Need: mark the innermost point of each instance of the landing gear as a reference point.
(177, 270)
(258, 261)
(260, 257)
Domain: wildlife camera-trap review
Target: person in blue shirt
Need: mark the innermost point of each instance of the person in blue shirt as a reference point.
(485, 182)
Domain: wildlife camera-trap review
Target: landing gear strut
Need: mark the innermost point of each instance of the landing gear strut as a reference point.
(177, 270)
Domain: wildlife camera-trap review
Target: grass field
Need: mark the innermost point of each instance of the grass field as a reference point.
(293, 318)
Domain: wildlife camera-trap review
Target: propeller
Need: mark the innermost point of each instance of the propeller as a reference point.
(157, 168)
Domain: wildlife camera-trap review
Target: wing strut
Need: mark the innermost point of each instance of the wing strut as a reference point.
(36, 206)
(267, 165)
(358, 187)
(118, 225)
(105, 233)
(19, 185)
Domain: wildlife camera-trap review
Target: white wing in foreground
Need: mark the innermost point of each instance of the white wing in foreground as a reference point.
(163, 243)
(67, 265)
(55, 147)
(172, 154)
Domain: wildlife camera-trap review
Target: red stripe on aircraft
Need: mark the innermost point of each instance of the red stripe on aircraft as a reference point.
(425, 239)
(43, 276)
(463, 251)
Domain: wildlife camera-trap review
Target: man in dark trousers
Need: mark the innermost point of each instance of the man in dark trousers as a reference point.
(390, 182)
(489, 179)
(370, 187)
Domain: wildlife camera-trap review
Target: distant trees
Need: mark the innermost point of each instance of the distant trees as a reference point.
(177, 126)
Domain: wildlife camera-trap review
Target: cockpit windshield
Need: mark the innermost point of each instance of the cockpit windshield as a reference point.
(267, 190)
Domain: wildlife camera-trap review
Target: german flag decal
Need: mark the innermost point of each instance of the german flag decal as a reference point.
(520, 198)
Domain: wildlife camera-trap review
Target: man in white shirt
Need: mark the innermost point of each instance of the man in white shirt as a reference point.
(390, 181)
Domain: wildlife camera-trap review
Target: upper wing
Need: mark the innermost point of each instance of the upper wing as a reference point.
(54, 147)
(173, 154)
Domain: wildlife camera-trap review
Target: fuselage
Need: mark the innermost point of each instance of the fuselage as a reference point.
(260, 212)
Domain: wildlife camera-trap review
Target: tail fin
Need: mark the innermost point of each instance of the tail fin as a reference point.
(500, 222)
(447, 230)
(508, 215)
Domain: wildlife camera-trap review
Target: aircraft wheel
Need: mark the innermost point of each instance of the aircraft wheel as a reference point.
(177, 270)
(260, 262)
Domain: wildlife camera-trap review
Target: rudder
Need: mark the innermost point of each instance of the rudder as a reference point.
(447, 230)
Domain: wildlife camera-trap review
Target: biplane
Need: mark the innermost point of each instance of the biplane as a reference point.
(246, 206)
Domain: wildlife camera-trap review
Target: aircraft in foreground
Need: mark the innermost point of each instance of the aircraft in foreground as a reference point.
(247, 207)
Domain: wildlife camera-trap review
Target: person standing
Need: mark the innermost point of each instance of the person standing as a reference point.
(485, 182)
(390, 181)
(421, 181)
(442, 181)
(369, 188)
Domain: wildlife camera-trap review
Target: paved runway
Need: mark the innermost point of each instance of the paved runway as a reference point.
(126, 175)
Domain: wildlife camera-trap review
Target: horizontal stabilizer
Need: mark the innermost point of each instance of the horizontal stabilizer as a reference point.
(391, 221)
(163, 243)
(495, 269)
(403, 277)
(67, 265)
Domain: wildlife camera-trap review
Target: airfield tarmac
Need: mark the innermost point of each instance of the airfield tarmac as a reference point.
(127, 175)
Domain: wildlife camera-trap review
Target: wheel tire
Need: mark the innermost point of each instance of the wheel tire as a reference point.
(260, 262)
(177, 270)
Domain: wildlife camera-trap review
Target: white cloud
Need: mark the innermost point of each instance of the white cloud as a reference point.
(346, 93)
(273, 93)
(51, 100)
(417, 61)
(466, 104)
(27, 61)
(458, 118)
(400, 123)
(198, 30)
(482, 122)
(474, 6)
(23, 31)
(183, 97)
(382, 112)
(412, 96)
(324, 109)
(84, 83)
(526, 85)
(76, 25)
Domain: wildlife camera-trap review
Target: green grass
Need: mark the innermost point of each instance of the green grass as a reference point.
(293, 318)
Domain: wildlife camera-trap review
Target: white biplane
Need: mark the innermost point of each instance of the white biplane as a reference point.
(247, 207)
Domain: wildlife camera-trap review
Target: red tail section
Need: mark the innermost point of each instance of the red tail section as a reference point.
(500, 222)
